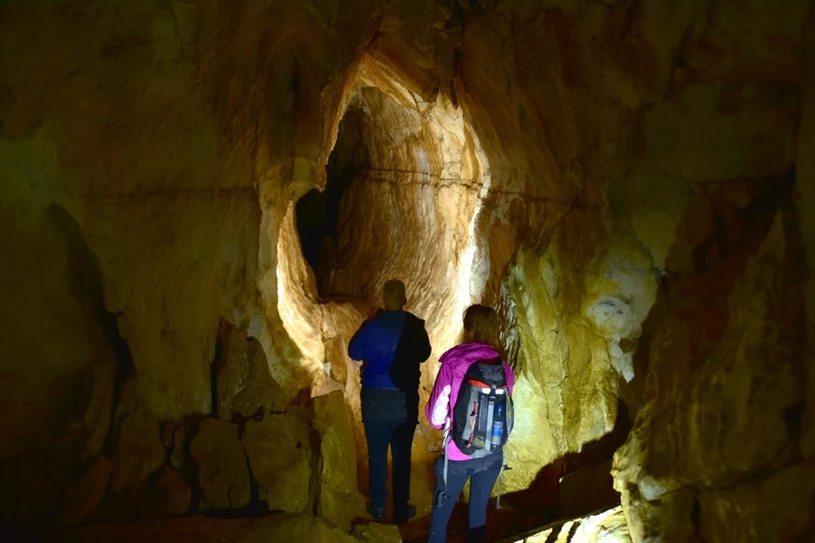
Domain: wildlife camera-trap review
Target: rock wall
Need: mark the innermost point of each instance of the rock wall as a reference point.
(608, 526)
(601, 124)
(144, 176)
(629, 182)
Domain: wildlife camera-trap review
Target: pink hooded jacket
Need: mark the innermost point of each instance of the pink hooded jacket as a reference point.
(454, 364)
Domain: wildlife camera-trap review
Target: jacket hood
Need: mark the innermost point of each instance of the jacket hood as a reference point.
(467, 353)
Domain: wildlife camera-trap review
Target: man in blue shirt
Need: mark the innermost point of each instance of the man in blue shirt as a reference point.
(391, 345)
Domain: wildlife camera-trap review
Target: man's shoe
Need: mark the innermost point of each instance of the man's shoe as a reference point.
(401, 517)
(378, 513)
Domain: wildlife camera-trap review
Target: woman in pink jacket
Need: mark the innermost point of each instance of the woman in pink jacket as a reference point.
(481, 344)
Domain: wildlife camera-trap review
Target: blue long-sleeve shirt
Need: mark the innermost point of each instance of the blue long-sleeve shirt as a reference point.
(391, 346)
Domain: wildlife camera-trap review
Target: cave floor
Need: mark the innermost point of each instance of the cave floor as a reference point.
(504, 526)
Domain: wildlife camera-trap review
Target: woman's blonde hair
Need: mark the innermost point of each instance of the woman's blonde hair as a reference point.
(481, 325)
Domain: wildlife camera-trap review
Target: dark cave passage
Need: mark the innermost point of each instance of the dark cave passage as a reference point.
(318, 212)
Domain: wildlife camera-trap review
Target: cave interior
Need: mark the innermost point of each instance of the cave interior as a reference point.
(201, 202)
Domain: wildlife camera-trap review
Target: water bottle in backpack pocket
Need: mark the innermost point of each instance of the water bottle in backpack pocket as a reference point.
(482, 417)
(497, 427)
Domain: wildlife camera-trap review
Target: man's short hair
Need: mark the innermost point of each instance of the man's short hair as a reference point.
(394, 294)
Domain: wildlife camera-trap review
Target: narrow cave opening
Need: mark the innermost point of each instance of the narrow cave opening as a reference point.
(404, 186)
(318, 212)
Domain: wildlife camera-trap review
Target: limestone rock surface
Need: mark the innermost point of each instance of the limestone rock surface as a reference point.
(139, 451)
(86, 496)
(630, 183)
(173, 439)
(374, 532)
(609, 525)
(100, 407)
(780, 501)
(280, 455)
(245, 384)
(222, 472)
(173, 494)
(339, 501)
(753, 302)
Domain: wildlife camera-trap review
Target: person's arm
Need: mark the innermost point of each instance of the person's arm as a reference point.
(423, 348)
(356, 347)
(438, 406)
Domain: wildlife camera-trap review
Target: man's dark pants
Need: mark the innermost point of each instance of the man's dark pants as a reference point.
(390, 418)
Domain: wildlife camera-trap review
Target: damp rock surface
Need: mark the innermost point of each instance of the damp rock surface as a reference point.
(339, 501)
(222, 473)
(245, 386)
(85, 497)
(139, 451)
(280, 455)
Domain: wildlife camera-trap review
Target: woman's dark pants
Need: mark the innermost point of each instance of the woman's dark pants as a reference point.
(482, 473)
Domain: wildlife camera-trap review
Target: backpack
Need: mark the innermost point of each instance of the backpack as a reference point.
(483, 414)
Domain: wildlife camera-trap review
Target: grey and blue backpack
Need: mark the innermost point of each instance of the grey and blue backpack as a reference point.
(483, 414)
